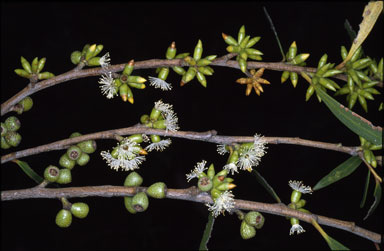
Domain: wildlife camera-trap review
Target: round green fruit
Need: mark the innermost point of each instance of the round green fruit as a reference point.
(254, 219)
(205, 184)
(247, 231)
(133, 179)
(25, 104)
(140, 202)
(88, 146)
(157, 190)
(12, 123)
(80, 210)
(128, 205)
(51, 173)
(65, 176)
(64, 218)
(3, 129)
(75, 134)
(66, 162)
(4, 144)
(74, 152)
(75, 57)
(13, 138)
(83, 160)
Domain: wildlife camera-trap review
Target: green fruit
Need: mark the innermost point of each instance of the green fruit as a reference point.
(12, 123)
(88, 146)
(128, 205)
(75, 57)
(83, 160)
(247, 231)
(12, 138)
(65, 176)
(140, 202)
(74, 152)
(133, 179)
(80, 210)
(64, 218)
(66, 162)
(254, 219)
(3, 129)
(4, 144)
(51, 173)
(75, 134)
(157, 190)
(205, 184)
(26, 104)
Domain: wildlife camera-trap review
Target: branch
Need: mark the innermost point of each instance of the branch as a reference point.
(190, 194)
(77, 73)
(209, 136)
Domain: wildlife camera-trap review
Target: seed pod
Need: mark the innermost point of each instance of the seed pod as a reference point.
(140, 202)
(229, 40)
(65, 176)
(133, 180)
(205, 184)
(189, 75)
(4, 144)
(344, 52)
(83, 159)
(22, 73)
(74, 152)
(157, 190)
(331, 73)
(35, 61)
(63, 218)
(241, 34)
(352, 100)
(88, 146)
(163, 74)
(294, 78)
(322, 61)
(284, 76)
(51, 173)
(90, 52)
(254, 219)
(45, 75)
(66, 162)
(128, 205)
(128, 68)
(12, 123)
(363, 102)
(201, 78)
(292, 51)
(80, 210)
(179, 70)
(198, 51)
(252, 42)
(309, 92)
(243, 65)
(356, 55)
(26, 65)
(12, 138)
(247, 231)
(75, 57)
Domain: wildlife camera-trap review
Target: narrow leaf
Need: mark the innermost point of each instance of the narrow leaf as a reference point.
(207, 232)
(353, 121)
(350, 31)
(265, 184)
(377, 194)
(341, 171)
(274, 32)
(365, 190)
(334, 244)
(29, 171)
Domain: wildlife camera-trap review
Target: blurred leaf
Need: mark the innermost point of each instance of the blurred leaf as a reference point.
(365, 190)
(334, 244)
(207, 232)
(377, 194)
(29, 171)
(265, 184)
(274, 32)
(341, 171)
(353, 121)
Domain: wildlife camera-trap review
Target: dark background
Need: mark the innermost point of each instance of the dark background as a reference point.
(143, 31)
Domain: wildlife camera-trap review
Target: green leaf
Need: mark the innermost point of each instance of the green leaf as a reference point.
(265, 184)
(365, 190)
(341, 171)
(207, 232)
(377, 194)
(29, 171)
(353, 121)
(274, 32)
(334, 244)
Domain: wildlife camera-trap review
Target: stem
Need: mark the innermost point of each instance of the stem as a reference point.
(189, 194)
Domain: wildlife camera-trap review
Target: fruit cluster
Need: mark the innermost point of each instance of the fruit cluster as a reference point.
(252, 220)
(9, 135)
(64, 216)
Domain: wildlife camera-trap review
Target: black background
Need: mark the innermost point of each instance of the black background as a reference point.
(143, 31)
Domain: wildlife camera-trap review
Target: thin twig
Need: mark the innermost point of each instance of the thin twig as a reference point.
(208, 136)
(190, 194)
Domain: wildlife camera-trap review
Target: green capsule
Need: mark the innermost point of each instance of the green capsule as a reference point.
(284, 76)
(66, 162)
(243, 65)
(363, 102)
(35, 61)
(179, 70)
(63, 218)
(203, 62)
(244, 42)
(3, 129)
(254, 219)
(229, 40)
(163, 74)
(352, 100)
(157, 190)
(189, 75)
(252, 42)
(204, 70)
(292, 51)
(45, 75)
(356, 55)
(128, 205)
(361, 63)
(322, 61)
(51, 173)
(211, 171)
(22, 73)
(26, 65)
(65, 176)
(4, 144)
(95, 61)
(83, 159)
(294, 78)
(140, 202)
(204, 184)
(344, 52)
(133, 180)
(144, 119)
(128, 68)
(201, 78)
(198, 51)
(309, 92)
(331, 73)
(241, 34)
(136, 79)
(362, 76)
(300, 58)
(75, 57)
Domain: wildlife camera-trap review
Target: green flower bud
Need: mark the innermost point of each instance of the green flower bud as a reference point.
(80, 210)
(244, 42)
(352, 100)
(247, 231)
(179, 70)
(309, 92)
(128, 68)
(163, 74)
(74, 152)
(3, 129)
(189, 75)
(12, 138)
(201, 78)
(203, 62)
(356, 55)
(198, 50)
(294, 78)
(40, 65)
(75, 57)
(157, 190)
(205, 184)
(215, 193)
(295, 196)
(128, 205)
(322, 61)
(85, 49)
(64, 218)
(144, 119)
(300, 58)
(252, 42)
(35, 61)
(362, 76)
(211, 171)
(24, 105)
(66, 162)
(229, 40)
(331, 73)
(344, 52)
(23, 73)
(98, 49)
(363, 102)
(140, 202)
(88, 146)
(205, 71)
(224, 186)
(12, 123)
(354, 76)
(243, 55)
(95, 61)
(26, 65)
(65, 176)
(90, 52)
(251, 51)
(51, 173)
(292, 51)
(171, 51)
(75, 134)
(326, 83)
(133, 180)
(241, 34)
(83, 159)
(254, 219)
(136, 79)
(301, 203)
(45, 75)
(361, 63)
(4, 144)
(242, 64)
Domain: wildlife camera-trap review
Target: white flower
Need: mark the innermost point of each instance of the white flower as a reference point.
(298, 186)
(158, 146)
(124, 164)
(199, 168)
(104, 60)
(251, 156)
(231, 167)
(127, 149)
(159, 83)
(296, 228)
(164, 108)
(221, 149)
(224, 202)
(171, 122)
(259, 145)
(107, 85)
